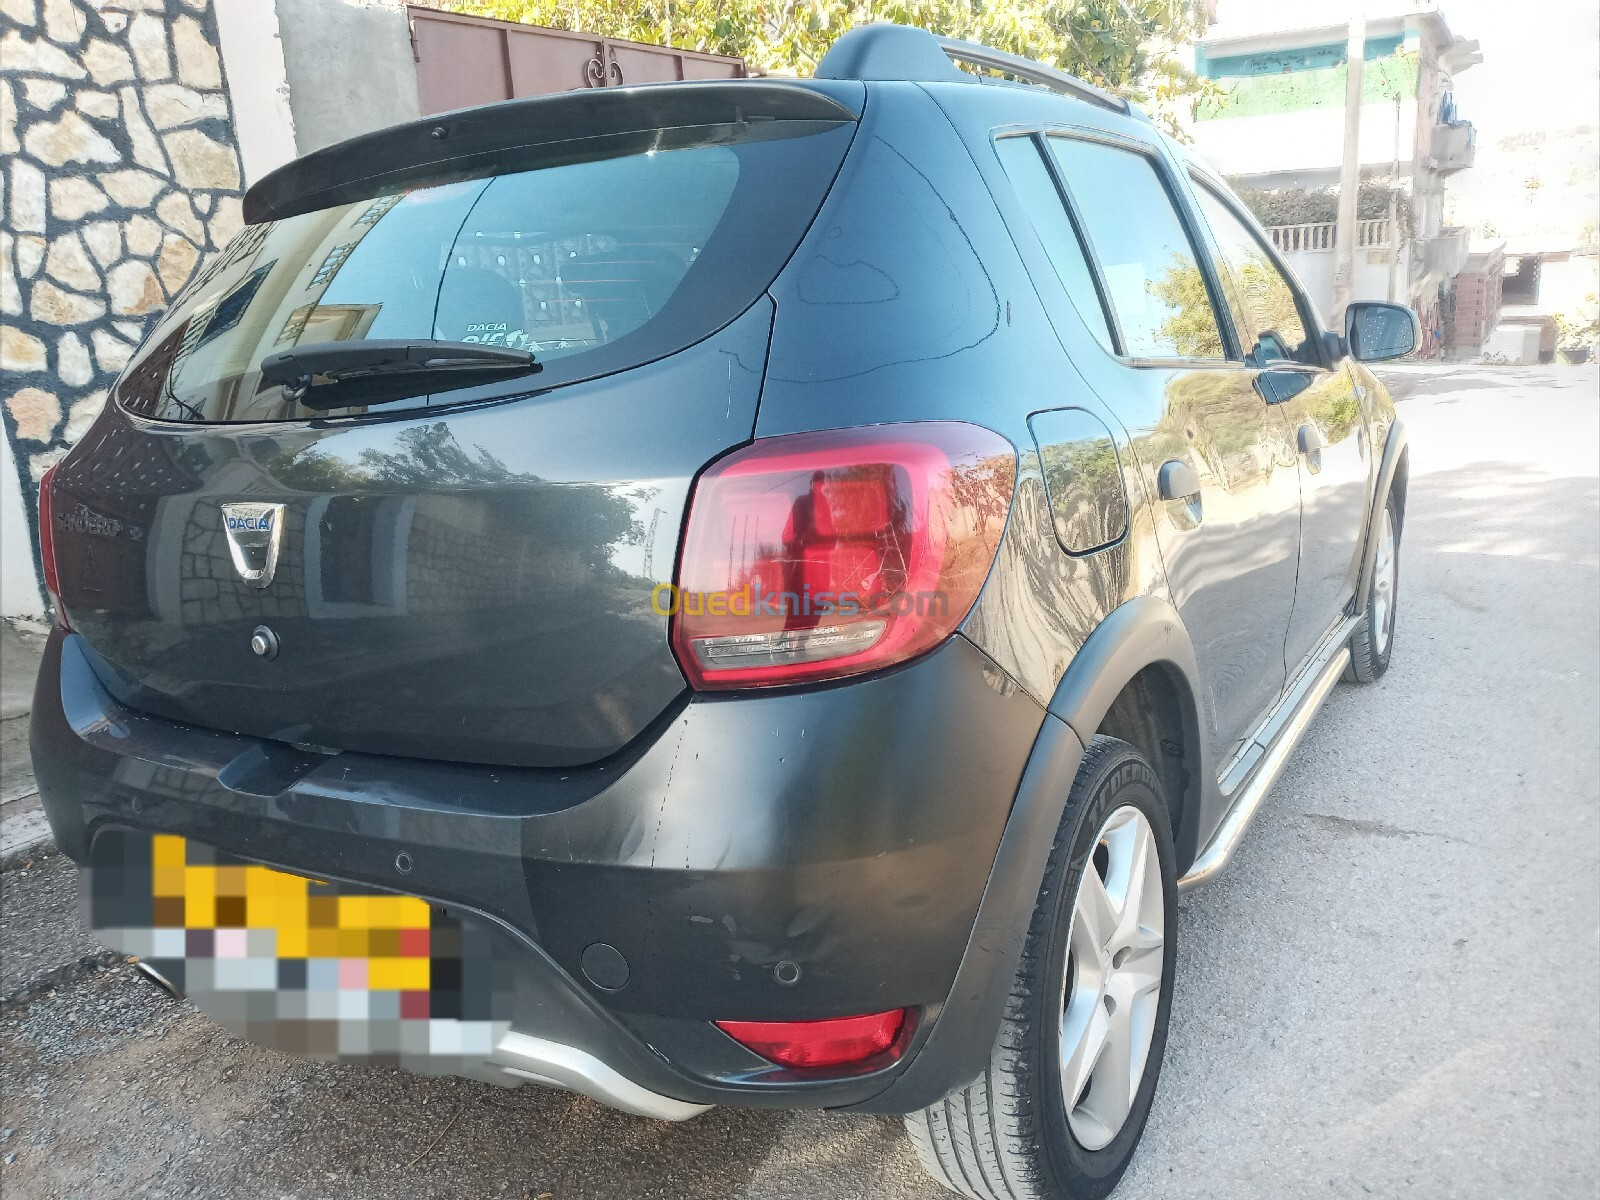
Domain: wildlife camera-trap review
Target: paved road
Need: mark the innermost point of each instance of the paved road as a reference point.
(1394, 991)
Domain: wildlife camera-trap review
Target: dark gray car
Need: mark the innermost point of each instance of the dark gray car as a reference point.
(721, 593)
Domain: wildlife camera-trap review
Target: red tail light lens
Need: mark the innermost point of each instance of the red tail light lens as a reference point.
(47, 544)
(820, 555)
(828, 1043)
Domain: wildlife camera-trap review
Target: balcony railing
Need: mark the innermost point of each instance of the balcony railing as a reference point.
(1372, 233)
(1323, 235)
(1293, 239)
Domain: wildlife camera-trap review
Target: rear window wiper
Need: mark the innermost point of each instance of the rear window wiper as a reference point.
(313, 373)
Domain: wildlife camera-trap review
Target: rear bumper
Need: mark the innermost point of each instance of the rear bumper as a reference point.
(849, 831)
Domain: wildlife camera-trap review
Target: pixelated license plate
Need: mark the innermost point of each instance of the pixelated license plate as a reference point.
(319, 969)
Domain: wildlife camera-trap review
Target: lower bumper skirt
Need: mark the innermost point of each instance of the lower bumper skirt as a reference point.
(553, 1064)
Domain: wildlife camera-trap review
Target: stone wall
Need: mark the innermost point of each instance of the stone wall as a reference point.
(121, 172)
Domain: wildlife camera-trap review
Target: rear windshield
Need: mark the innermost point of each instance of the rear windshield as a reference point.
(591, 266)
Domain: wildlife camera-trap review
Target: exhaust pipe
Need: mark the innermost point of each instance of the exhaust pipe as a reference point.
(157, 978)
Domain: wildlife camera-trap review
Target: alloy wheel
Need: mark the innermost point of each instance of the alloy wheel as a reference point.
(1115, 961)
(1383, 579)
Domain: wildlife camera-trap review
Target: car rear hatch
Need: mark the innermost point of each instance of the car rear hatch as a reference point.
(400, 471)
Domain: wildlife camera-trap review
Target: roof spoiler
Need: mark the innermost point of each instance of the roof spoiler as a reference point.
(546, 131)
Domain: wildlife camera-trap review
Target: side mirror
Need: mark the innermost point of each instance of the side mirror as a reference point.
(1375, 331)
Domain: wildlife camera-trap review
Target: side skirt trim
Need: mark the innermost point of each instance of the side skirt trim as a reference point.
(1279, 735)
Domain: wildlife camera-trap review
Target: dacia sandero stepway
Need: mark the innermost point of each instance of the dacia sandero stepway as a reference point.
(753, 593)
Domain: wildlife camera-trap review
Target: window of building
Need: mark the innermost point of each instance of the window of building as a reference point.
(1521, 283)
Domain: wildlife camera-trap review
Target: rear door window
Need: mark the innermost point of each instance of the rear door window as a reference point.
(1151, 274)
(1042, 201)
(592, 266)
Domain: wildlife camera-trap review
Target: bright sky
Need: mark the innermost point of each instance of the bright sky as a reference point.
(1540, 69)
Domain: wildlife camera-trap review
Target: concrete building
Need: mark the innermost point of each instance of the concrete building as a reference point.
(1280, 130)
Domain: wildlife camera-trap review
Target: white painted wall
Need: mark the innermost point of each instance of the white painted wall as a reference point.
(1371, 282)
(304, 74)
(1306, 140)
(258, 86)
(1570, 287)
(20, 595)
(350, 68)
(1512, 344)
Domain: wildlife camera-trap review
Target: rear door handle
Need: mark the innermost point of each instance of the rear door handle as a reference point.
(1311, 445)
(1178, 481)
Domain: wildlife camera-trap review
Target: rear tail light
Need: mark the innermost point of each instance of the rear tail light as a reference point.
(829, 1043)
(819, 555)
(47, 544)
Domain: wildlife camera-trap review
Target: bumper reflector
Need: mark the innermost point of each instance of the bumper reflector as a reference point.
(827, 1043)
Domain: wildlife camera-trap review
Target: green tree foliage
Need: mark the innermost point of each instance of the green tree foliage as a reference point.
(1191, 330)
(1123, 45)
(1580, 327)
(1270, 305)
(1298, 206)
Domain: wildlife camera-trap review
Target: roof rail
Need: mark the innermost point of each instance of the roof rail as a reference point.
(1031, 72)
(884, 51)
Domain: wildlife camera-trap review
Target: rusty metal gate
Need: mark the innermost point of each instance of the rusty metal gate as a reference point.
(463, 60)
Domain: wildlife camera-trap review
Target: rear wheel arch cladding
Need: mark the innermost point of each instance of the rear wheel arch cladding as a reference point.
(1141, 654)
(958, 1046)
(1394, 475)
(1140, 635)
(1401, 484)
(1155, 713)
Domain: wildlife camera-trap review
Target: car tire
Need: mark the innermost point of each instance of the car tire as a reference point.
(1373, 639)
(1010, 1134)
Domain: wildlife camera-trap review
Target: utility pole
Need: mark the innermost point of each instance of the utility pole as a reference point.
(1394, 208)
(1350, 172)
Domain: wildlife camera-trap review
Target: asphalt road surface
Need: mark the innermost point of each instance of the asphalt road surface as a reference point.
(1395, 990)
